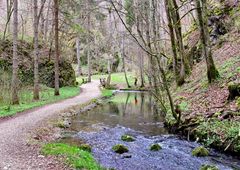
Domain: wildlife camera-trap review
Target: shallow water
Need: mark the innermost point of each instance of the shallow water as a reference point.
(135, 114)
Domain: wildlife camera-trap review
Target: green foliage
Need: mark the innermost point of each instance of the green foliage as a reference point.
(184, 106)
(222, 134)
(200, 152)
(228, 65)
(127, 138)
(208, 167)
(74, 156)
(119, 148)
(46, 97)
(155, 147)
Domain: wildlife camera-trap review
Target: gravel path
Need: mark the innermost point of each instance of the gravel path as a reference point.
(15, 152)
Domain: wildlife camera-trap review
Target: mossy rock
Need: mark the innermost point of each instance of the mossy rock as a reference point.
(234, 90)
(200, 152)
(85, 147)
(208, 167)
(127, 138)
(155, 147)
(119, 148)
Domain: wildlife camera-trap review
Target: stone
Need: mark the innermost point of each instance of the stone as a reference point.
(127, 138)
(85, 147)
(119, 148)
(155, 147)
(200, 152)
(208, 167)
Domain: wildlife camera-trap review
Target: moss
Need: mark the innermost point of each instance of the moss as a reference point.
(208, 167)
(127, 138)
(238, 102)
(85, 147)
(155, 147)
(200, 152)
(73, 156)
(119, 148)
(60, 124)
(234, 90)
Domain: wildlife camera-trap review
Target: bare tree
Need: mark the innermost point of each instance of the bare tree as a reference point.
(56, 63)
(15, 81)
(88, 43)
(79, 69)
(36, 52)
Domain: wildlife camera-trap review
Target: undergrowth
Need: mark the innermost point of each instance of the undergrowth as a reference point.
(221, 134)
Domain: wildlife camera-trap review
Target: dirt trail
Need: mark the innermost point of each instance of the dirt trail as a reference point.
(15, 152)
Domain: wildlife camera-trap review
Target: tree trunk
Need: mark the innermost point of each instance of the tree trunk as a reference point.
(42, 20)
(178, 30)
(141, 68)
(212, 72)
(47, 21)
(88, 44)
(173, 42)
(79, 68)
(15, 81)
(36, 52)
(109, 73)
(56, 63)
(9, 14)
(123, 60)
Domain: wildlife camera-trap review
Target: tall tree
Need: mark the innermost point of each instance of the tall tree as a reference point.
(79, 69)
(212, 72)
(175, 31)
(56, 63)
(36, 52)
(15, 81)
(88, 43)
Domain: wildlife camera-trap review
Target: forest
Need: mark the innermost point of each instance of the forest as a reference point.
(120, 84)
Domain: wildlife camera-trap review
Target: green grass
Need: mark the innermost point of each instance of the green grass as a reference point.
(46, 97)
(117, 78)
(74, 156)
(107, 93)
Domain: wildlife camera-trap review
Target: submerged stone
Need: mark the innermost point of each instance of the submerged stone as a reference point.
(119, 148)
(127, 138)
(209, 167)
(200, 152)
(155, 147)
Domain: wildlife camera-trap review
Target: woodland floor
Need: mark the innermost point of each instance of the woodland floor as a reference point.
(17, 148)
(200, 98)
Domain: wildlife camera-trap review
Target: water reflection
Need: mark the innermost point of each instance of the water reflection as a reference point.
(132, 110)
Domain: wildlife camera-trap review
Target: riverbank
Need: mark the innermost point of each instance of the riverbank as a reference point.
(208, 115)
(102, 126)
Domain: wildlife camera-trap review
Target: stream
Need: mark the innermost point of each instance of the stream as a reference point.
(134, 113)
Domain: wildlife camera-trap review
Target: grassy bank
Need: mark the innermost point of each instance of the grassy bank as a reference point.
(74, 156)
(26, 101)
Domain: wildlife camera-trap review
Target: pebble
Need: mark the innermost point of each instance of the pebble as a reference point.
(41, 156)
